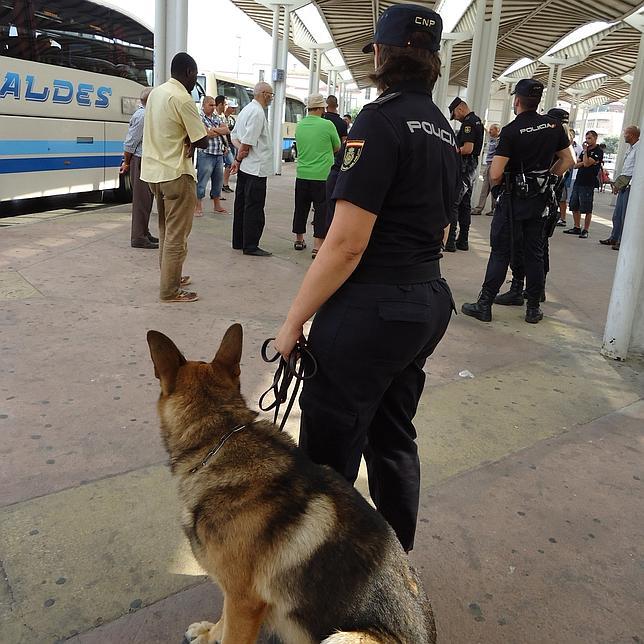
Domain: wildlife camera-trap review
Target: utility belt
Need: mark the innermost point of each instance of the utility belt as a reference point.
(528, 185)
(416, 274)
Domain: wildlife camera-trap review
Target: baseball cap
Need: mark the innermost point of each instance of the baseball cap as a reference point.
(314, 101)
(453, 105)
(559, 114)
(397, 23)
(530, 87)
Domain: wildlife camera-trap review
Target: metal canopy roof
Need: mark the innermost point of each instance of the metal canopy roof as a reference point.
(528, 29)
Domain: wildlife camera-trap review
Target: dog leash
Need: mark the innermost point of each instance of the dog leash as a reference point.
(301, 365)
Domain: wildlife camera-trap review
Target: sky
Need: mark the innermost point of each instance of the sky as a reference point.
(221, 38)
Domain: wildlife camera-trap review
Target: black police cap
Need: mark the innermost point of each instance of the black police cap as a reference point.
(454, 104)
(529, 87)
(558, 114)
(398, 22)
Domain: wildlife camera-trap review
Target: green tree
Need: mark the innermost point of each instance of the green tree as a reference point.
(611, 144)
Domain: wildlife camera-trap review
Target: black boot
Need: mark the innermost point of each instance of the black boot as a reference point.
(513, 297)
(450, 244)
(481, 309)
(533, 314)
(461, 241)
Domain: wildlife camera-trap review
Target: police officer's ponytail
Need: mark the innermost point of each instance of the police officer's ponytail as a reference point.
(412, 63)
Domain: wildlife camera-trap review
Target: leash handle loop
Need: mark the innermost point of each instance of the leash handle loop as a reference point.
(301, 365)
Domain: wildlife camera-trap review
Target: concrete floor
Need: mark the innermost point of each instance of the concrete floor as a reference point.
(531, 527)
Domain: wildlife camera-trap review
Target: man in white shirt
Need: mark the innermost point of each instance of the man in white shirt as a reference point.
(253, 163)
(171, 132)
(622, 187)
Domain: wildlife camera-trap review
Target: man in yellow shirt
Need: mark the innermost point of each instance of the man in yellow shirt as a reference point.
(172, 130)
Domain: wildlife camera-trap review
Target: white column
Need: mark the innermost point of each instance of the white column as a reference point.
(557, 85)
(507, 106)
(181, 26)
(279, 87)
(487, 64)
(160, 72)
(316, 76)
(478, 41)
(549, 87)
(311, 70)
(635, 103)
(625, 322)
(442, 85)
(274, 60)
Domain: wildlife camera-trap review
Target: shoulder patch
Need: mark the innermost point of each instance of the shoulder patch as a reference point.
(467, 129)
(352, 153)
(381, 100)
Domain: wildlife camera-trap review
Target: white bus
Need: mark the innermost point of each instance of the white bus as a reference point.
(71, 73)
(239, 93)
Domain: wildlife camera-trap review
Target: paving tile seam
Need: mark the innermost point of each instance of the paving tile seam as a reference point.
(561, 436)
(197, 584)
(86, 482)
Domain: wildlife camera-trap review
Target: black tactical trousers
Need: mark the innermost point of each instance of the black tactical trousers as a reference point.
(461, 211)
(528, 235)
(307, 192)
(248, 215)
(517, 264)
(371, 342)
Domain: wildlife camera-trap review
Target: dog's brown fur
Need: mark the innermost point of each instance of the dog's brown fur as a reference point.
(290, 543)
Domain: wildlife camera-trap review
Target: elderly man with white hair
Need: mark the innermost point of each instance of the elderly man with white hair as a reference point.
(142, 197)
(253, 163)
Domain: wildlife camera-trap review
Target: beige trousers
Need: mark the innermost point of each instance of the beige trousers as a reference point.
(176, 202)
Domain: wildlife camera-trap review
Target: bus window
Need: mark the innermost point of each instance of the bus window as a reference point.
(296, 109)
(79, 35)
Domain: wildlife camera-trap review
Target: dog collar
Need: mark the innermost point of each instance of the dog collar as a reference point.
(214, 450)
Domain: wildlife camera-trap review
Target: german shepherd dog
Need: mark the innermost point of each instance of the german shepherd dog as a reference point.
(291, 544)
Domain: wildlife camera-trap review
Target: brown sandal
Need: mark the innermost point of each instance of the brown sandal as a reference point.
(183, 296)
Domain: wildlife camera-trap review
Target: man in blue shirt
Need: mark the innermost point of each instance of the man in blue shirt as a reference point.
(142, 197)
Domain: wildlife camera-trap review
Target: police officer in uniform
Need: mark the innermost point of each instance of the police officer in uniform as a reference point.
(524, 159)
(470, 142)
(515, 295)
(381, 305)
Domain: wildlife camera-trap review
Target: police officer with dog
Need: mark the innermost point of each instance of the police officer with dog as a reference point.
(524, 176)
(515, 295)
(381, 306)
(470, 141)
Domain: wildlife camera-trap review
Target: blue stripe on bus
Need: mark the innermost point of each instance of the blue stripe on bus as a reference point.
(70, 146)
(42, 164)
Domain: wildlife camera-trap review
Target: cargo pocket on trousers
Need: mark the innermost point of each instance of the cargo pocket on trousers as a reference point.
(404, 311)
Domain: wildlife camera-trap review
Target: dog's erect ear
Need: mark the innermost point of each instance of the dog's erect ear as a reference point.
(167, 360)
(230, 351)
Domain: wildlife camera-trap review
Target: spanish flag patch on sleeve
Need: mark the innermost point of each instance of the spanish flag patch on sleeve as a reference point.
(352, 153)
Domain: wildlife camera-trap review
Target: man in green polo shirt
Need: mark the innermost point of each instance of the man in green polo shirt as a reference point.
(317, 140)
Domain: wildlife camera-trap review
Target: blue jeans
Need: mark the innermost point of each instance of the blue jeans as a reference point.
(619, 214)
(209, 166)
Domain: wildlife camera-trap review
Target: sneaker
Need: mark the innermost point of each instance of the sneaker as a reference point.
(573, 231)
(183, 296)
(607, 242)
(615, 246)
(227, 189)
(583, 234)
(561, 222)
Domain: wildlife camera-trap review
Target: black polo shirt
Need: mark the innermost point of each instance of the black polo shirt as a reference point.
(401, 164)
(471, 132)
(590, 176)
(341, 127)
(531, 141)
